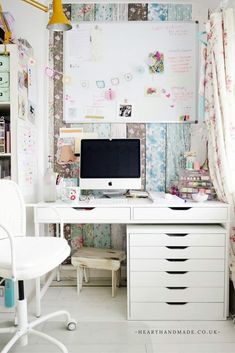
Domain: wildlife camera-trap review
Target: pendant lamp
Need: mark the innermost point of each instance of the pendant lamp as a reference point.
(58, 20)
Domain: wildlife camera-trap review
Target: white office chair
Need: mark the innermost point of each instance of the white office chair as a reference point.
(23, 258)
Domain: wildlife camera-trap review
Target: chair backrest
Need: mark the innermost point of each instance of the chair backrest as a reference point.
(12, 209)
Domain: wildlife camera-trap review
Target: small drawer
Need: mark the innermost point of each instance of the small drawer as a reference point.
(4, 94)
(177, 294)
(80, 215)
(177, 252)
(177, 279)
(4, 79)
(4, 63)
(179, 214)
(176, 311)
(198, 265)
(185, 239)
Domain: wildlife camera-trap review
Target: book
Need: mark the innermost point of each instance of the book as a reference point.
(137, 193)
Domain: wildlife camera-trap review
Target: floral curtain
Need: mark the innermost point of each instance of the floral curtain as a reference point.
(219, 59)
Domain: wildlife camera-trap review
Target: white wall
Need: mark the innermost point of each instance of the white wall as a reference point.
(30, 23)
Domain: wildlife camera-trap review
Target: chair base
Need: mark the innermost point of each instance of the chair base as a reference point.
(24, 328)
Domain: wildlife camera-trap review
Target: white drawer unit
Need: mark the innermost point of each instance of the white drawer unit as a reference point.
(177, 272)
(182, 214)
(83, 214)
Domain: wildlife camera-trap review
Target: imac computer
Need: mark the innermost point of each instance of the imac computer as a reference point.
(110, 164)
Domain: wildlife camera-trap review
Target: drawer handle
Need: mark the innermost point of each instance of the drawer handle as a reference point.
(176, 272)
(176, 234)
(176, 303)
(177, 247)
(177, 260)
(180, 208)
(83, 208)
(177, 288)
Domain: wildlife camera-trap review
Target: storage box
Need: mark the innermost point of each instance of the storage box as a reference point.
(4, 63)
(4, 79)
(4, 94)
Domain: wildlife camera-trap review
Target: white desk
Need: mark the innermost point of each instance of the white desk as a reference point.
(159, 211)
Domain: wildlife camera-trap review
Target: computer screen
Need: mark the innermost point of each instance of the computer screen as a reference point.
(110, 164)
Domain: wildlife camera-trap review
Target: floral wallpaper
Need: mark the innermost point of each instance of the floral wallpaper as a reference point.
(162, 145)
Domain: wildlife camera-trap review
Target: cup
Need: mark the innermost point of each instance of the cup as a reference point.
(71, 194)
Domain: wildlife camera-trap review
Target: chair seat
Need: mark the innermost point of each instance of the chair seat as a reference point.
(34, 256)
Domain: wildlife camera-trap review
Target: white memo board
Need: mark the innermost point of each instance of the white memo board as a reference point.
(131, 72)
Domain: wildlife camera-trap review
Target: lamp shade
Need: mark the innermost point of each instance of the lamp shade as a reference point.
(58, 20)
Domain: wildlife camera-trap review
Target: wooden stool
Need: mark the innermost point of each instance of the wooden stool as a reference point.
(103, 259)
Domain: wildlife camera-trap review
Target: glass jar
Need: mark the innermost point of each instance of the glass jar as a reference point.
(49, 182)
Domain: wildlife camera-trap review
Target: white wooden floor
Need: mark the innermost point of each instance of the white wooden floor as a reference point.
(103, 328)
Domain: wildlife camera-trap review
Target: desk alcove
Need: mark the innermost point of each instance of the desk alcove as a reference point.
(177, 253)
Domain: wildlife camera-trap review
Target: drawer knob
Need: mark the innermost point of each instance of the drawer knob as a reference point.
(176, 303)
(176, 272)
(177, 288)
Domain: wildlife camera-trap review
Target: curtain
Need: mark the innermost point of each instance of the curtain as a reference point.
(219, 59)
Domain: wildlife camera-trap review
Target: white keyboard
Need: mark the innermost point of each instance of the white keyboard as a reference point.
(107, 201)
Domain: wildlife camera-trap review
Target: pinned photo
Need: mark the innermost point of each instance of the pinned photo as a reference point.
(125, 110)
(100, 84)
(115, 81)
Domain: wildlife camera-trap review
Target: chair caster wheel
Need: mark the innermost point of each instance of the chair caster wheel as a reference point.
(72, 325)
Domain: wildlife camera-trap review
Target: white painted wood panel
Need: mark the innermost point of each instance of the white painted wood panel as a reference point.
(181, 214)
(177, 239)
(182, 294)
(188, 279)
(83, 214)
(197, 252)
(198, 265)
(163, 311)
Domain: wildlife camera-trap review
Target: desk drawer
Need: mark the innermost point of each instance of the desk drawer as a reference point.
(184, 311)
(176, 279)
(198, 265)
(93, 215)
(185, 239)
(177, 252)
(179, 214)
(177, 294)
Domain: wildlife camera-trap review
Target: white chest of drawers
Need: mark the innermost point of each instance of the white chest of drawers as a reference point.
(177, 272)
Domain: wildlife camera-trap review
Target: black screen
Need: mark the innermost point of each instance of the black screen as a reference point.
(118, 158)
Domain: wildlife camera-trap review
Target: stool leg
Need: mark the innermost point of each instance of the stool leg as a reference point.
(119, 277)
(79, 279)
(85, 273)
(114, 281)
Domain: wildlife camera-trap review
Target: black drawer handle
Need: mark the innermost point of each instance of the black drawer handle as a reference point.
(176, 234)
(83, 208)
(177, 260)
(177, 247)
(180, 208)
(176, 272)
(177, 288)
(176, 303)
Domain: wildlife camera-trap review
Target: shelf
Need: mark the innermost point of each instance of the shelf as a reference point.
(5, 154)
